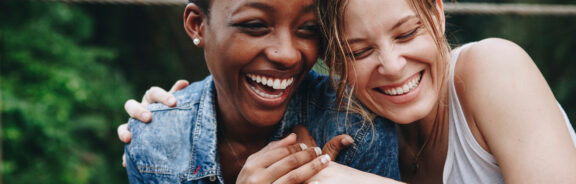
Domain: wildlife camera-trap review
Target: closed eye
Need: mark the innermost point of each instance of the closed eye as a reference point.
(253, 27)
(361, 53)
(308, 30)
(409, 35)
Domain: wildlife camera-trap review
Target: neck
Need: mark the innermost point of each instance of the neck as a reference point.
(432, 126)
(238, 138)
(236, 128)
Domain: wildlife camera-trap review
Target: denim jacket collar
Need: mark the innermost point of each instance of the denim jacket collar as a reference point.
(204, 138)
(207, 122)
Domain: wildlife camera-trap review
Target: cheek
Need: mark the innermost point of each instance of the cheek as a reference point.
(359, 77)
(310, 51)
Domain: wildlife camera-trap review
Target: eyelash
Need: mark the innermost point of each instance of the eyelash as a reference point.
(308, 30)
(408, 35)
(255, 28)
(258, 28)
(358, 54)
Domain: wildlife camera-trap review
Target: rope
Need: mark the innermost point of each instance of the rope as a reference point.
(510, 9)
(128, 2)
(450, 8)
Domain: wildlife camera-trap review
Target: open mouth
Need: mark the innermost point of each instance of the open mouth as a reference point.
(269, 87)
(407, 87)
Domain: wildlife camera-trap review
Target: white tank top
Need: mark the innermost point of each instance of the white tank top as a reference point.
(467, 162)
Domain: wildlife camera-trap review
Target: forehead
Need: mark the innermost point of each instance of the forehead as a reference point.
(269, 6)
(374, 14)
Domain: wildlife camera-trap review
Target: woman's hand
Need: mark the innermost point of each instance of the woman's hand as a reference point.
(139, 111)
(338, 173)
(293, 159)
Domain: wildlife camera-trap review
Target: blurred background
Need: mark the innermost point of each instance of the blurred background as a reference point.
(66, 69)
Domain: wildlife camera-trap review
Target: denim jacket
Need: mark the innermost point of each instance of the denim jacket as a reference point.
(179, 145)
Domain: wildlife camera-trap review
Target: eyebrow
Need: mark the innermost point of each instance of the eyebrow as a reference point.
(257, 5)
(402, 21)
(308, 8)
(270, 9)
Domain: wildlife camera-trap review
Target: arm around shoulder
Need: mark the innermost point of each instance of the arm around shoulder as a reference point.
(338, 173)
(506, 97)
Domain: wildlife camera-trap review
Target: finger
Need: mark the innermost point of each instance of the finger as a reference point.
(268, 158)
(124, 160)
(180, 84)
(306, 171)
(156, 94)
(273, 152)
(288, 163)
(304, 136)
(337, 144)
(124, 134)
(137, 110)
(286, 141)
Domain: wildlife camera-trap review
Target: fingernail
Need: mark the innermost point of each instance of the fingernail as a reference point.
(314, 182)
(325, 159)
(347, 141)
(318, 151)
(303, 146)
(145, 116)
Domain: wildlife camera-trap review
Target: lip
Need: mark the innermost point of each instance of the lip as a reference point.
(406, 97)
(268, 102)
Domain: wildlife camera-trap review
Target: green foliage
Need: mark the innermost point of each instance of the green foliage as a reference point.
(61, 99)
(549, 40)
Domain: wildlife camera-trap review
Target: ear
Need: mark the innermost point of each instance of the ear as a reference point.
(440, 7)
(194, 23)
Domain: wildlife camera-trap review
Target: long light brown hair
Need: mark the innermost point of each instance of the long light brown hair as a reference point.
(331, 15)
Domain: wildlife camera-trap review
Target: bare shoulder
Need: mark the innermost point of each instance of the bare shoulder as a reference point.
(497, 72)
(514, 110)
(493, 56)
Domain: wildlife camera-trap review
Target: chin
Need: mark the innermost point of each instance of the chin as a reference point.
(266, 118)
(407, 116)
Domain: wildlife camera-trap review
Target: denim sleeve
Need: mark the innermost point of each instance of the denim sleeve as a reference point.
(133, 175)
(376, 150)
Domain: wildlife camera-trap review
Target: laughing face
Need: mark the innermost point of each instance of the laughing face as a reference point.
(395, 73)
(258, 52)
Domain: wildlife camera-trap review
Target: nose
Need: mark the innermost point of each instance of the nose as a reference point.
(283, 52)
(391, 63)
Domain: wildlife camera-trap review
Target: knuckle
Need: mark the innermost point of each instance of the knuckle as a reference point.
(293, 160)
(293, 148)
(255, 179)
(293, 177)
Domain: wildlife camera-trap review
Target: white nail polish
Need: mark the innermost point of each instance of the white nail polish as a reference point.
(318, 151)
(303, 146)
(325, 159)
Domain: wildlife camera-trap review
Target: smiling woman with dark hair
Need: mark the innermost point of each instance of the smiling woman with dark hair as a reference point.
(259, 53)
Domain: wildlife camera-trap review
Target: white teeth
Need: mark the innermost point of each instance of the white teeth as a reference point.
(270, 82)
(405, 88)
(264, 81)
(266, 95)
(276, 84)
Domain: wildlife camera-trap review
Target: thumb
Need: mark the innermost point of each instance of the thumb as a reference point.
(304, 136)
(337, 144)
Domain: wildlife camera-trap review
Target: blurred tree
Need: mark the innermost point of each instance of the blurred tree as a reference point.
(61, 99)
(549, 40)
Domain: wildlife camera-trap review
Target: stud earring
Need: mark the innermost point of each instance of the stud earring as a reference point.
(196, 41)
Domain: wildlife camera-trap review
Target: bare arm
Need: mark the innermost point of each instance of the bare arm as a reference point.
(338, 173)
(505, 95)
